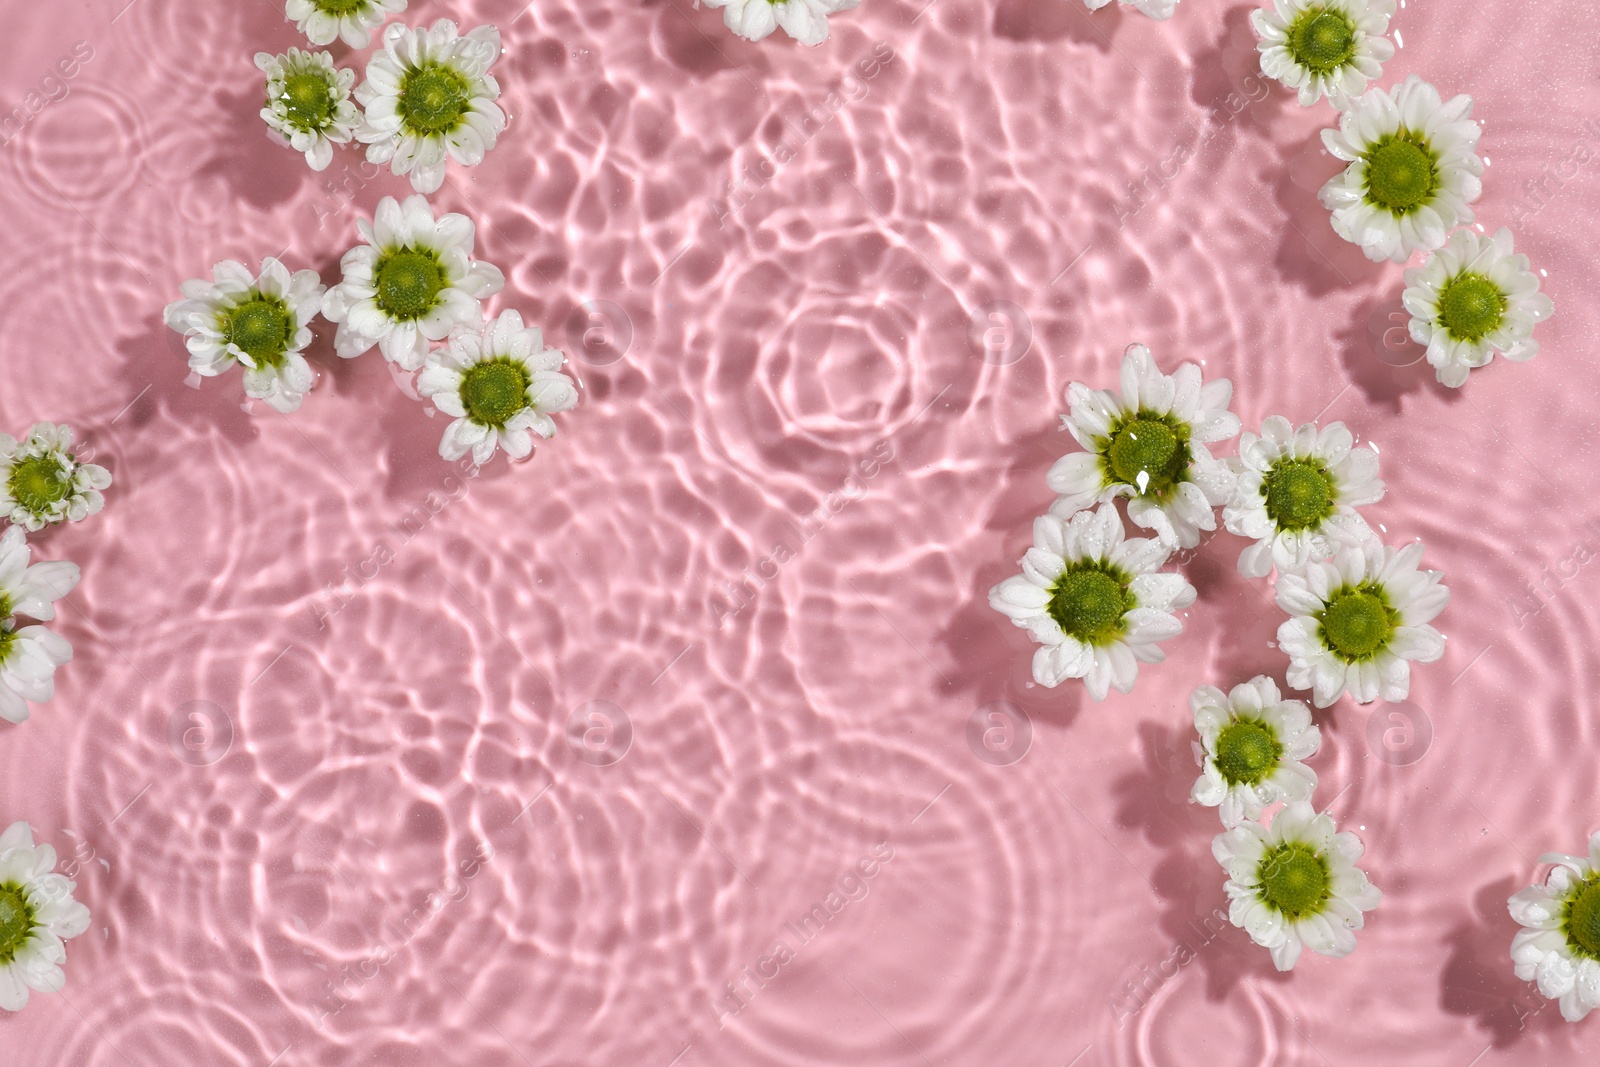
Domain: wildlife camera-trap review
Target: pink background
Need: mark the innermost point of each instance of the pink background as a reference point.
(1047, 911)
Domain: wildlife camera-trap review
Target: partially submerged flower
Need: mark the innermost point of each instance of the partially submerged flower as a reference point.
(41, 481)
(501, 383)
(1295, 885)
(1093, 601)
(1358, 620)
(37, 913)
(1559, 947)
(1472, 298)
(410, 283)
(1329, 48)
(1148, 443)
(352, 20)
(429, 93)
(1297, 493)
(1413, 169)
(1252, 743)
(804, 20)
(257, 321)
(308, 102)
(29, 655)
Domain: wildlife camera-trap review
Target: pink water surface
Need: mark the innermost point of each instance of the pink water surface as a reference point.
(313, 764)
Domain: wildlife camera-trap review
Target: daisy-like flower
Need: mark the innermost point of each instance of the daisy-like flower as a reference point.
(804, 20)
(30, 655)
(42, 482)
(1297, 493)
(31, 589)
(1471, 299)
(412, 281)
(37, 913)
(308, 102)
(1148, 444)
(1252, 742)
(429, 93)
(1156, 9)
(1560, 947)
(1323, 48)
(1358, 620)
(1093, 601)
(1412, 169)
(501, 383)
(1295, 884)
(259, 322)
(353, 20)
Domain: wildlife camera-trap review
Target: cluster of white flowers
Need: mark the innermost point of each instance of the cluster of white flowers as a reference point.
(428, 94)
(1413, 171)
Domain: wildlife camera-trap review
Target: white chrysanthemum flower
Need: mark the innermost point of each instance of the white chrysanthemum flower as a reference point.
(1412, 170)
(1472, 298)
(1156, 9)
(501, 383)
(353, 20)
(37, 913)
(1297, 493)
(31, 589)
(429, 93)
(1358, 620)
(1560, 947)
(804, 20)
(1093, 601)
(260, 322)
(1295, 884)
(308, 102)
(1329, 48)
(1252, 741)
(1148, 444)
(29, 657)
(411, 282)
(42, 482)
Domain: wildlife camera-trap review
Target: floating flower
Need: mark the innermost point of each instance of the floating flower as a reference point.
(1156, 9)
(1252, 742)
(353, 20)
(1322, 48)
(257, 322)
(1295, 884)
(428, 93)
(1560, 947)
(1412, 170)
(1147, 444)
(501, 383)
(31, 590)
(1093, 601)
(1297, 493)
(804, 20)
(37, 912)
(412, 281)
(308, 101)
(1471, 299)
(42, 482)
(1358, 620)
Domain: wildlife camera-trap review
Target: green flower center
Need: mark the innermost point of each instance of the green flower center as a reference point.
(1299, 494)
(1581, 921)
(1401, 175)
(1148, 453)
(1322, 41)
(1357, 623)
(1088, 601)
(1247, 751)
(408, 283)
(340, 7)
(433, 98)
(16, 921)
(1294, 880)
(39, 482)
(494, 391)
(8, 638)
(1471, 307)
(308, 98)
(261, 327)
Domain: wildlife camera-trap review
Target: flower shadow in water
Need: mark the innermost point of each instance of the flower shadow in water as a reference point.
(262, 172)
(1026, 20)
(1382, 360)
(1478, 981)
